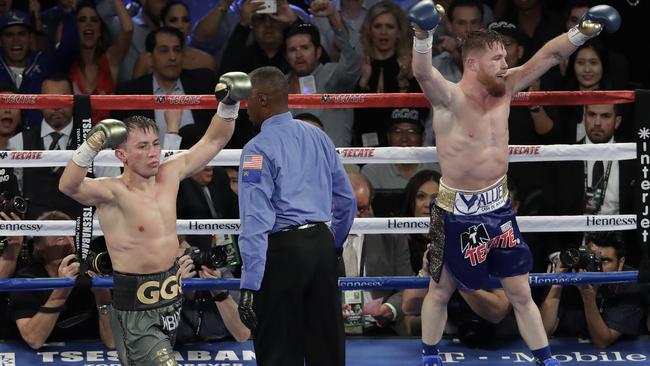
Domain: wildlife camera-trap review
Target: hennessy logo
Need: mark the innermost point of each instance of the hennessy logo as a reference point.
(151, 292)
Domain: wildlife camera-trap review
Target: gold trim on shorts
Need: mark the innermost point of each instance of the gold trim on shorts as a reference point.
(447, 195)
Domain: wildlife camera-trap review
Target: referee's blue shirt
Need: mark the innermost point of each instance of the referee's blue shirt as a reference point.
(289, 175)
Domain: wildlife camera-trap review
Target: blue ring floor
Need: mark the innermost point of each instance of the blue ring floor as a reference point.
(360, 352)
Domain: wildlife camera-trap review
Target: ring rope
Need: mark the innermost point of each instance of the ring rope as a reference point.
(373, 225)
(348, 155)
(345, 283)
(302, 101)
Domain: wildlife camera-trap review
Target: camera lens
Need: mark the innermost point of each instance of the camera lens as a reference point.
(20, 205)
(218, 257)
(570, 257)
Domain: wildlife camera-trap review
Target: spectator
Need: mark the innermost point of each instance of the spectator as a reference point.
(538, 22)
(603, 313)
(418, 193)
(308, 75)
(353, 13)
(205, 195)
(96, 68)
(619, 64)
(169, 78)
(464, 16)
(26, 69)
(589, 69)
(11, 248)
(46, 23)
(40, 185)
(144, 22)
(374, 255)
(267, 31)
(591, 187)
(311, 119)
(386, 67)
(214, 31)
(404, 129)
(208, 316)
(233, 177)
(63, 314)
(10, 119)
(176, 14)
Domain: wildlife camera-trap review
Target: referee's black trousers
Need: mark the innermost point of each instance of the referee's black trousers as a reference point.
(298, 305)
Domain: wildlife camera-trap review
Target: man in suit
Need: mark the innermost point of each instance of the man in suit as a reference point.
(206, 194)
(165, 46)
(55, 132)
(376, 255)
(591, 187)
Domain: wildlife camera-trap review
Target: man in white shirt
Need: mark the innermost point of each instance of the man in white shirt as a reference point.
(371, 256)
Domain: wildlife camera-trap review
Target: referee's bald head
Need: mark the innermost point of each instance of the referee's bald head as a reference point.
(272, 82)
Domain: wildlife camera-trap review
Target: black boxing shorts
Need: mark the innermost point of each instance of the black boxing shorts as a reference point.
(145, 314)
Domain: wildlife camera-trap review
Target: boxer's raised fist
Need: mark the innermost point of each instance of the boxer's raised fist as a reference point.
(593, 22)
(233, 87)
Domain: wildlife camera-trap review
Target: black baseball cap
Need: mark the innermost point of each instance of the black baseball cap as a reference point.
(508, 30)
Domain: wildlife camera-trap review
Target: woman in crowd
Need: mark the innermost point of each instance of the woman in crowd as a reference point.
(588, 70)
(96, 68)
(176, 14)
(387, 66)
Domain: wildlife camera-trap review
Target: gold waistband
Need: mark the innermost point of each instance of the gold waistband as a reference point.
(447, 195)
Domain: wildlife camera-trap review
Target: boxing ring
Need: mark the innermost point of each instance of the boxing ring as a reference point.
(360, 351)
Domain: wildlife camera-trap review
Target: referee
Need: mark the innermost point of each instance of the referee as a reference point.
(291, 184)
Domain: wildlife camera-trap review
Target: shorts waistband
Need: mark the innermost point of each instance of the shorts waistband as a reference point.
(473, 202)
(146, 291)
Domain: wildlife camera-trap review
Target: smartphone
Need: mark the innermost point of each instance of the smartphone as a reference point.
(270, 6)
(307, 84)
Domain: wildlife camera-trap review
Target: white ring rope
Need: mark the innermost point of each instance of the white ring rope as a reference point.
(376, 155)
(376, 225)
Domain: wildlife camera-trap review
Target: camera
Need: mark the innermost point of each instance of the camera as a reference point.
(216, 257)
(4, 241)
(581, 258)
(16, 204)
(99, 263)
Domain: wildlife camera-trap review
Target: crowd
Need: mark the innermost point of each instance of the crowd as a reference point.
(153, 47)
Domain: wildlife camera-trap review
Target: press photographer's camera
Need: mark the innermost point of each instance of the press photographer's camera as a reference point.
(4, 241)
(581, 258)
(16, 204)
(216, 257)
(99, 263)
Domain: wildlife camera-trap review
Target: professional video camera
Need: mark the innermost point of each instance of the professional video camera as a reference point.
(99, 263)
(581, 258)
(16, 204)
(216, 257)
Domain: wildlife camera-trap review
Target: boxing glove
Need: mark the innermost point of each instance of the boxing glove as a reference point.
(424, 17)
(108, 133)
(245, 308)
(593, 22)
(232, 87)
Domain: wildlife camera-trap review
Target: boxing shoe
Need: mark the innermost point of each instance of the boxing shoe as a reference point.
(431, 360)
(548, 362)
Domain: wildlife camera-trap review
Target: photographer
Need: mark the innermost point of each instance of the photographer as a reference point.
(207, 316)
(10, 249)
(62, 314)
(602, 313)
